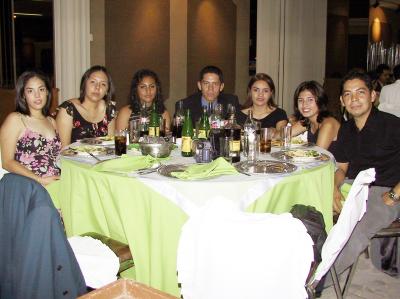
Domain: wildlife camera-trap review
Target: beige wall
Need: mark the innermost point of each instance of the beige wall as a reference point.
(211, 40)
(136, 36)
(97, 31)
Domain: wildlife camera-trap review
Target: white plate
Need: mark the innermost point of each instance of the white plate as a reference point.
(105, 140)
(83, 150)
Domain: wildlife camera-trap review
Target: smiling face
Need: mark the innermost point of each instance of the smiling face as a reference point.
(146, 90)
(261, 93)
(307, 104)
(357, 99)
(35, 93)
(210, 86)
(96, 86)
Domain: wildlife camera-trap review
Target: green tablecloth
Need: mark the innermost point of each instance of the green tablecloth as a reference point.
(125, 209)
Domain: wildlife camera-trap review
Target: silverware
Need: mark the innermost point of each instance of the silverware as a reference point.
(242, 172)
(98, 160)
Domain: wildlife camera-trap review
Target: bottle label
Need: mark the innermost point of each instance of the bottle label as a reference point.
(202, 134)
(152, 131)
(157, 131)
(234, 145)
(186, 144)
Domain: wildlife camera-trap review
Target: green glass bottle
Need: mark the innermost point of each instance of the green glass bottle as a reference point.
(204, 127)
(154, 124)
(187, 135)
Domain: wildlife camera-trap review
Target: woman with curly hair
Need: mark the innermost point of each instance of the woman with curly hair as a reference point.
(145, 89)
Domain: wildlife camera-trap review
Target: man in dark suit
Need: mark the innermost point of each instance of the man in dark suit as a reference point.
(210, 84)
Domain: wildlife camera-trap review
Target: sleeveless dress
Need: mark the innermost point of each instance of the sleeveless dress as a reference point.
(38, 153)
(85, 129)
(314, 137)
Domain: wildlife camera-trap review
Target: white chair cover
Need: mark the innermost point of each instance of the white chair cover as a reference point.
(2, 170)
(353, 209)
(226, 253)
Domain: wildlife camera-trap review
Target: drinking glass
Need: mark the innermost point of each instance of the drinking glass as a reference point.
(265, 140)
(134, 130)
(163, 122)
(286, 137)
(120, 142)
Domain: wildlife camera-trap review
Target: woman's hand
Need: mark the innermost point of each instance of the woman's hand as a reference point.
(44, 181)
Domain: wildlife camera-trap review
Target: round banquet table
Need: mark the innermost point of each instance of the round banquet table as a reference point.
(148, 211)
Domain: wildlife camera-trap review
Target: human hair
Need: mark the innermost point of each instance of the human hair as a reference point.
(354, 74)
(381, 68)
(260, 77)
(321, 100)
(213, 70)
(109, 96)
(21, 105)
(396, 72)
(134, 99)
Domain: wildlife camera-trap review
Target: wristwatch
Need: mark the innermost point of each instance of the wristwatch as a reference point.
(393, 196)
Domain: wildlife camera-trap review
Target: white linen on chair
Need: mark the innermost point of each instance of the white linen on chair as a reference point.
(353, 210)
(98, 263)
(226, 253)
(2, 170)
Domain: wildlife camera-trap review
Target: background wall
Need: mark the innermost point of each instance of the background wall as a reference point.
(136, 36)
(211, 40)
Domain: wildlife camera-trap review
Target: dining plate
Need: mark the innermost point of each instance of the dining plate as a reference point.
(104, 140)
(167, 170)
(300, 155)
(265, 166)
(84, 150)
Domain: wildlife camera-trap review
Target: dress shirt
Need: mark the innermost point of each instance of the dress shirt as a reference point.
(390, 98)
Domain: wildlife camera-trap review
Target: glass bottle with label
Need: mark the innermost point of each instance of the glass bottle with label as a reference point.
(232, 129)
(179, 117)
(187, 135)
(250, 137)
(144, 120)
(204, 126)
(154, 124)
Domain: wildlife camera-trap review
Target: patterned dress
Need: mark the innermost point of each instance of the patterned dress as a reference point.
(38, 153)
(85, 129)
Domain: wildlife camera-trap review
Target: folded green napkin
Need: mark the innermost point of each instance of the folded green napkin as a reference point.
(126, 163)
(200, 171)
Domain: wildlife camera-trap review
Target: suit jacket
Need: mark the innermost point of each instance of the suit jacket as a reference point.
(36, 260)
(193, 102)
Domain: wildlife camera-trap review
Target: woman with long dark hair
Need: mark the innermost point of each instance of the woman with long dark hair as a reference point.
(145, 89)
(260, 99)
(92, 114)
(29, 140)
(312, 115)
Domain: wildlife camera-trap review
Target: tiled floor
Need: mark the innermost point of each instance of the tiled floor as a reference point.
(369, 283)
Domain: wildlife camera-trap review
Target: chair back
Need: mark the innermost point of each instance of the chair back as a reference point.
(36, 260)
(353, 209)
(226, 253)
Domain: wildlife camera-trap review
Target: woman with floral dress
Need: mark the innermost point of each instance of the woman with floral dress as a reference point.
(92, 115)
(29, 140)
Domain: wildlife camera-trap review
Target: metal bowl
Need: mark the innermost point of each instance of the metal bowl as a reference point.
(156, 150)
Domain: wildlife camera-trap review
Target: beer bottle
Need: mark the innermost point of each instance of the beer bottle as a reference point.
(204, 127)
(154, 124)
(187, 135)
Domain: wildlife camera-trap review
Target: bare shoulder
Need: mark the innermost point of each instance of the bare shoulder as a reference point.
(13, 123)
(75, 101)
(245, 110)
(125, 110)
(330, 122)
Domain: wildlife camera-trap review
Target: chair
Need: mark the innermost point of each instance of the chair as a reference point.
(353, 210)
(36, 260)
(2, 170)
(224, 252)
(121, 250)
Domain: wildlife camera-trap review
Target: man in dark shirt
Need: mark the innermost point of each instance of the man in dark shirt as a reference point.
(210, 84)
(370, 139)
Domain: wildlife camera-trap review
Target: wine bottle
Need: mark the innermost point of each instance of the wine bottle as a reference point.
(144, 121)
(232, 129)
(187, 135)
(154, 124)
(204, 126)
(250, 137)
(179, 117)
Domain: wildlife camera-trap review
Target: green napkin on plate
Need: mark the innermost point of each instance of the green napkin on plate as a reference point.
(126, 164)
(201, 171)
